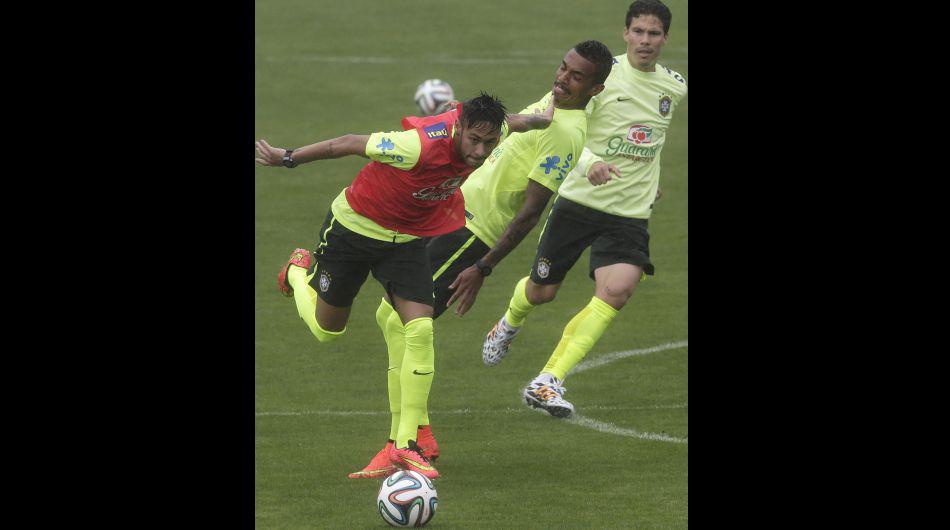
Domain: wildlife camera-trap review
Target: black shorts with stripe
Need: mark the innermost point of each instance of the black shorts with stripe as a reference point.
(345, 259)
(450, 254)
(572, 227)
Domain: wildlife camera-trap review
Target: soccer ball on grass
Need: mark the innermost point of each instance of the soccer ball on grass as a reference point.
(407, 499)
(433, 96)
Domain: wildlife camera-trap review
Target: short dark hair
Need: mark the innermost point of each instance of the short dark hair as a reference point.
(483, 109)
(599, 54)
(650, 7)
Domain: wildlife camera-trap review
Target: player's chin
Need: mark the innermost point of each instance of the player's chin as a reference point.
(474, 162)
(566, 101)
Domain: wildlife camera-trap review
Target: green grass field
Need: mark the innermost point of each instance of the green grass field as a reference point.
(326, 68)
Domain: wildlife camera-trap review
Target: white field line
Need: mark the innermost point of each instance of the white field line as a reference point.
(575, 418)
(364, 59)
(611, 357)
(506, 410)
(610, 428)
(357, 59)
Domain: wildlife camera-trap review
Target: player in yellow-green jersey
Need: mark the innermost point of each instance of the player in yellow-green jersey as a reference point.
(627, 125)
(504, 200)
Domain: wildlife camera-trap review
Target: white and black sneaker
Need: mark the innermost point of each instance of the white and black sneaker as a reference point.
(496, 342)
(546, 393)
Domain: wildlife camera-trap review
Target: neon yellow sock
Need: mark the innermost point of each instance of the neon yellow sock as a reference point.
(306, 299)
(395, 335)
(519, 306)
(416, 375)
(580, 335)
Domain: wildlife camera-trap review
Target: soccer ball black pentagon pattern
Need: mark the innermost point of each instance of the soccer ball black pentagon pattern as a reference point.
(433, 96)
(407, 499)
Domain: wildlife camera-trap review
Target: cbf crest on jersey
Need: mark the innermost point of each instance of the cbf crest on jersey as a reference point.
(666, 102)
(324, 281)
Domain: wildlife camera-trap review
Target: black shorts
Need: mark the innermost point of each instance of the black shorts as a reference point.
(345, 258)
(571, 228)
(449, 255)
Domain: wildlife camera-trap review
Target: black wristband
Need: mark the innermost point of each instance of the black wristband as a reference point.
(288, 160)
(484, 269)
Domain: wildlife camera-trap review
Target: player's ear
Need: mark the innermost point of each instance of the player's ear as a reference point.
(597, 89)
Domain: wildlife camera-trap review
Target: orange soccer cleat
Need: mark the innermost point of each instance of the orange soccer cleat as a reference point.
(412, 459)
(300, 257)
(379, 467)
(425, 439)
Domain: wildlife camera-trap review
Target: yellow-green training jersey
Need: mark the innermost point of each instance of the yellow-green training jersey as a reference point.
(627, 124)
(496, 191)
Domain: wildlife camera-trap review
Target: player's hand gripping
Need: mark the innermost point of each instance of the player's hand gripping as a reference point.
(599, 173)
(466, 287)
(541, 120)
(269, 156)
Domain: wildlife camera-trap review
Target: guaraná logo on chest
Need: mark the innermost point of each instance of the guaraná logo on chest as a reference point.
(640, 134)
(441, 192)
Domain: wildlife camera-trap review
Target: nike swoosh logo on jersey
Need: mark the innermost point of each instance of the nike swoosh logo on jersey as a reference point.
(422, 373)
(624, 99)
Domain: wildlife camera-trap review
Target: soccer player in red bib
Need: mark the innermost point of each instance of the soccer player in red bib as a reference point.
(407, 192)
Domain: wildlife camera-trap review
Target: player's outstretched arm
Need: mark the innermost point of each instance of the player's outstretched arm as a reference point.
(350, 144)
(469, 281)
(528, 122)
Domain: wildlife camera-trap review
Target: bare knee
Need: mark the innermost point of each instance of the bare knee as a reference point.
(409, 310)
(332, 318)
(616, 295)
(616, 291)
(333, 325)
(540, 294)
(624, 290)
(327, 332)
(616, 283)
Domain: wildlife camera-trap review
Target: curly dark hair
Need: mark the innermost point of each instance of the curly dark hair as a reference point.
(650, 7)
(599, 54)
(483, 109)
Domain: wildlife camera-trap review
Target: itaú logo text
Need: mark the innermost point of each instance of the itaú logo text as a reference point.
(441, 192)
(640, 134)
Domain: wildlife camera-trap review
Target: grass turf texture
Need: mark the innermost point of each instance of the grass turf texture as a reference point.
(324, 69)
